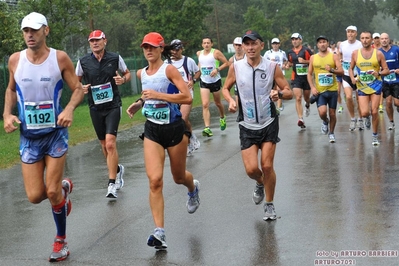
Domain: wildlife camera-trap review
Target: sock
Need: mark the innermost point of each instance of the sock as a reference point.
(111, 181)
(59, 214)
(118, 170)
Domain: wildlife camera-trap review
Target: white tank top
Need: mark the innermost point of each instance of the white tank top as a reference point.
(157, 111)
(254, 87)
(207, 64)
(346, 49)
(39, 88)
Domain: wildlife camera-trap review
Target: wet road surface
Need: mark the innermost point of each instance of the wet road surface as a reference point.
(336, 203)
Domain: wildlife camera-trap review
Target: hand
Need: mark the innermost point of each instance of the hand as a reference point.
(9, 125)
(133, 108)
(65, 118)
(86, 88)
(232, 106)
(301, 60)
(328, 68)
(119, 80)
(214, 72)
(274, 95)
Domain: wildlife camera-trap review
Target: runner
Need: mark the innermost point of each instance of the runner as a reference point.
(277, 55)
(325, 65)
(298, 58)
(390, 87)
(371, 65)
(37, 76)
(190, 73)
(209, 60)
(346, 48)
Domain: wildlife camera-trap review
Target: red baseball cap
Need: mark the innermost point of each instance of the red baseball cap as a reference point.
(96, 35)
(154, 39)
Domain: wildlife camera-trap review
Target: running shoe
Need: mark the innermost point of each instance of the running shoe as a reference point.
(375, 140)
(259, 194)
(270, 212)
(190, 149)
(281, 107)
(332, 138)
(307, 110)
(381, 108)
(340, 110)
(352, 125)
(360, 124)
(195, 141)
(301, 124)
(391, 125)
(207, 132)
(222, 122)
(324, 128)
(367, 122)
(111, 193)
(60, 250)
(157, 239)
(193, 201)
(119, 182)
(67, 185)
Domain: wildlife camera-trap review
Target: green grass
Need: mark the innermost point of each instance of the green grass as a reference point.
(80, 131)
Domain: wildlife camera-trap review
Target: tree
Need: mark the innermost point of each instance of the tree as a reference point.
(67, 20)
(10, 34)
(178, 19)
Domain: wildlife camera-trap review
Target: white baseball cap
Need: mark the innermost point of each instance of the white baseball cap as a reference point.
(34, 20)
(275, 40)
(351, 27)
(376, 35)
(237, 40)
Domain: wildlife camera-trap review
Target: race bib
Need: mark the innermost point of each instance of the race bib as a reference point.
(206, 71)
(391, 76)
(346, 65)
(302, 69)
(102, 93)
(366, 76)
(325, 79)
(39, 115)
(159, 112)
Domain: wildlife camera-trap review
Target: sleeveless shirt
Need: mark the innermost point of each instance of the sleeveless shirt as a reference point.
(39, 88)
(157, 111)
(254, 86)
(367, 82)
(207, 64)
(324, 80)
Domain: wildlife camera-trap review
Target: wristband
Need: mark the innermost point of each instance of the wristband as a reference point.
(194, 80)
(140, 99)
(280, 94)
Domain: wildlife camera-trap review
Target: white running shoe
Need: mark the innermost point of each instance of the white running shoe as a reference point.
(119, 182)
(111, 193)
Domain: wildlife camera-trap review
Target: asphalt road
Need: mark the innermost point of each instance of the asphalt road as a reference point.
(336, 203)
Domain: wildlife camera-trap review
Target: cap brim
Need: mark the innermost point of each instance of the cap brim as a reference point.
(152, 44)
(34, 26)
(249, 37)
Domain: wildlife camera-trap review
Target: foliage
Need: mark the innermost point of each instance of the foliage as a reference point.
(178, 19)
(66, 19)
(10, 35)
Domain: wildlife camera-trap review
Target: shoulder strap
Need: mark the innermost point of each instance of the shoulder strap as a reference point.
(185, 67)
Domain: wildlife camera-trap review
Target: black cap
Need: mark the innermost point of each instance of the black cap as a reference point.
(253, 35)
(176, 44)
(321, 37)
